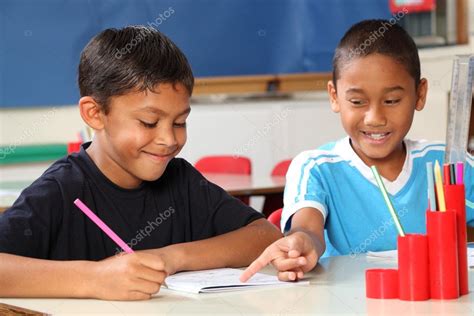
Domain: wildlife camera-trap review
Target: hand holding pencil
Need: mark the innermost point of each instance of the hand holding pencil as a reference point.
(134, 276)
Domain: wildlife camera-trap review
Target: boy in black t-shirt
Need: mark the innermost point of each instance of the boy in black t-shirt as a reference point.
(137, 102)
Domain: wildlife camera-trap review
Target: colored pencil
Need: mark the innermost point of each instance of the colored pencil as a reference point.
(387, 200)
(439, 187)
(431, 188)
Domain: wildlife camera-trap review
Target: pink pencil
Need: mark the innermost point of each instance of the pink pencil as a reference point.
(459, 173)
(103, 226)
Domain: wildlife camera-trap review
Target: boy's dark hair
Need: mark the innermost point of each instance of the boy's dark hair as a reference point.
(117, 61)
(381, 37)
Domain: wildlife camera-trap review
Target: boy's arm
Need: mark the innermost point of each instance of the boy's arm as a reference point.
(296, 253)
(311, 222)
(140, 276)
(237, 248)
(29, 277)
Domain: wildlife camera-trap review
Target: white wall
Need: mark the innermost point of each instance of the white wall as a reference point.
(470, 4)
(267, 132)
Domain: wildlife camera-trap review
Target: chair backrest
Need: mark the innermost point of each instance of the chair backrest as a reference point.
(74, 147)
(281, 168)
(275, 217)
(275, 201)
(224, 164)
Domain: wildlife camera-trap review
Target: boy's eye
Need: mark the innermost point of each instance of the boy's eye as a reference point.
(180, 125)
(148, 125)
(357, 102)
(392, 102)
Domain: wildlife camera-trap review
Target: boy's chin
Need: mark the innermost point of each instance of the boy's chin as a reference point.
(151, 176)
(375, 153)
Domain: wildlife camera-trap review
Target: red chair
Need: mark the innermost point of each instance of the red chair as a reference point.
(226, 164)
(275, 218)
(275, 201)
(281, 168)
(74, 147)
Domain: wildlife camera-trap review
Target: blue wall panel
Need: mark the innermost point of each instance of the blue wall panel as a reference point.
(40, 41)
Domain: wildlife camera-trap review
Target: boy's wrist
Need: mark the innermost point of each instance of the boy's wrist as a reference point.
(315, 243)
(172, 255)
(175, 257)
(88, 276)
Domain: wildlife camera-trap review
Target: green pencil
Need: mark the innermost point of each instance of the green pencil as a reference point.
(382, 189)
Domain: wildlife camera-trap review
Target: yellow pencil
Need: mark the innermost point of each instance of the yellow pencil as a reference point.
(439, 187)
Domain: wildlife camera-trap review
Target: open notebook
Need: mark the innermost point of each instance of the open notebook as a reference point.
(392, 255)
(219, 280)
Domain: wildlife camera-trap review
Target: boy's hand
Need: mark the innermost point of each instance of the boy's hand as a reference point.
(292, 256)
(135, 276)
(171, 255)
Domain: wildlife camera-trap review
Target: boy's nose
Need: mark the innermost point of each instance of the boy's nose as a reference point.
(166, 136)
(375, 117)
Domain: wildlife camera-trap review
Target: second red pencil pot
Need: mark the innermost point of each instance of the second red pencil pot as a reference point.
(413, 272)
(443, 254)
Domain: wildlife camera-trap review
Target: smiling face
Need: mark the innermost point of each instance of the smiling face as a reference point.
(140, 134)
(376, 98)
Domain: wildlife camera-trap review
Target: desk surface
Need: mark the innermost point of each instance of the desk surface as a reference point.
(238, 185)
(337, 287)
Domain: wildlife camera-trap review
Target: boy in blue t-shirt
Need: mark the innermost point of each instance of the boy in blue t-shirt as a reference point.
(376, 89)
(161, 206)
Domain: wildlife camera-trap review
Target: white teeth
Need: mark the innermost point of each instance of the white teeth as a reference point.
(376, 136)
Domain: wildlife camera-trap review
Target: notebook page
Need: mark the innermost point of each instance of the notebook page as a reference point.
(219, 280)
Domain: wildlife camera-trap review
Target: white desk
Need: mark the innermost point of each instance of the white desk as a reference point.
(337, 287)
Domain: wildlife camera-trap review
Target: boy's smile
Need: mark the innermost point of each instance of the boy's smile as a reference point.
(377, 97)
(140, 134)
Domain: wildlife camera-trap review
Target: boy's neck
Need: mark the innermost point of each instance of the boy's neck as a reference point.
(388, 167)
(110, 168)
(390, 170)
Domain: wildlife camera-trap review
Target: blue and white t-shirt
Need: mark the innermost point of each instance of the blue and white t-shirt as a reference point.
(334, 180)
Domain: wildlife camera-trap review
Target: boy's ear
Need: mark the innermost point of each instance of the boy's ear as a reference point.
(333, 97)
(422, 91)
(91, 112)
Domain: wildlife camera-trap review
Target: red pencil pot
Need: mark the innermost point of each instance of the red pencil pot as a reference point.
(456, 200)
(381, 283)
(413, 270)
(443, 254)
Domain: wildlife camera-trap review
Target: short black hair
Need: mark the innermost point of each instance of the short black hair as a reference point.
(117, 61)
(381, 37)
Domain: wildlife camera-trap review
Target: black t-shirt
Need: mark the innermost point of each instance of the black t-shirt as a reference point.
(180, 206)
